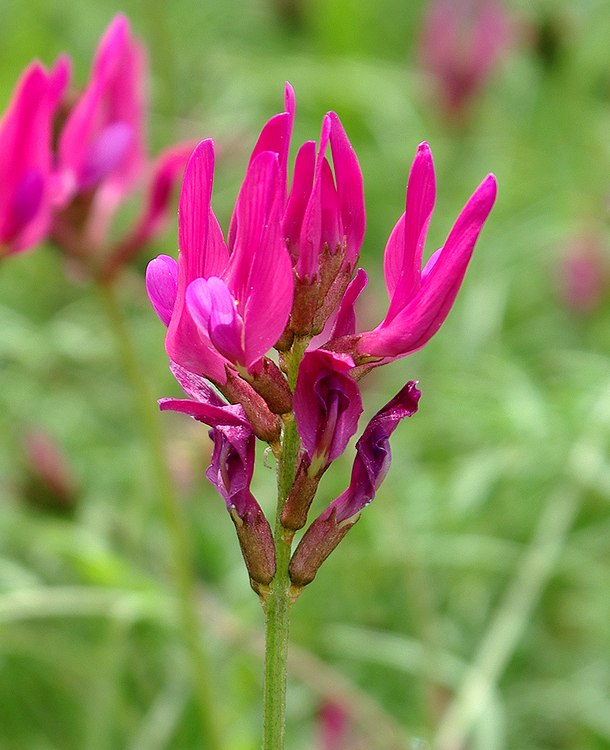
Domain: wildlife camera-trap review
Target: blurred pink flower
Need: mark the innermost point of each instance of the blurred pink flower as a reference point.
(462, 42)
(102, 158)
(332, 726)
(28, 185)
(584, 273)
(102, 144)
(51, 481)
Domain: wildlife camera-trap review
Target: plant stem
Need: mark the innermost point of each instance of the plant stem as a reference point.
(277, 601)
(177, 529)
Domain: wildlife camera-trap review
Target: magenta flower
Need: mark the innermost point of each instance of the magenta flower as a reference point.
(462, 42)
(222, 316)
(28, 186)
(327, 405)
(371, 465)
(420, 300)
(286, 278)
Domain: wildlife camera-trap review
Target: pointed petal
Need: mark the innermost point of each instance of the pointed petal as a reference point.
(196, 387)
(402, 260)
(202, 253)
(198, 255)
(302, 183)
(213, 416)
(310, 240)
(350, 189)
(260, 272)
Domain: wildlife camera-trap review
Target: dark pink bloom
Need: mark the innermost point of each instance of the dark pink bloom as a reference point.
(28, 187)
(327, 405)
(102, 159)
(420, 300)
(461, 44)
(232, 302)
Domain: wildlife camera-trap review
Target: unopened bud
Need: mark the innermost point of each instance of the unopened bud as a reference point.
(318, 542)
(256, 542)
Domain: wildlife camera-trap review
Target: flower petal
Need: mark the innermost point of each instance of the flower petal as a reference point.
(402, 259)
(162, 286)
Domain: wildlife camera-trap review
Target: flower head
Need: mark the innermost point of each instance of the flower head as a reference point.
(285, 278)
(222, 314)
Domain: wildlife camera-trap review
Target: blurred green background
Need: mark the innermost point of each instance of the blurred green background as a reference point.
(472, 600)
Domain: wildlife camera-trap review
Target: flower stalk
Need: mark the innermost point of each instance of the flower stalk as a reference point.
(285, 277)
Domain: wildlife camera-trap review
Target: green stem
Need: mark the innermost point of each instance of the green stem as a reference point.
(176, 525)
(277, 601)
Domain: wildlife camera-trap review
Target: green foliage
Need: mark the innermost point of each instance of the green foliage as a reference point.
(472, 596)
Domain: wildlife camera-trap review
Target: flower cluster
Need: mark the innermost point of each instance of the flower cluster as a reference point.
(285, 277)
(75, 158)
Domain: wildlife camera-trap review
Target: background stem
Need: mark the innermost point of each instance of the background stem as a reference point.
(181, 554)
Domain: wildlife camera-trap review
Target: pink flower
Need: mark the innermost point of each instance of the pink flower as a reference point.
(420, 300)
(232, 301)
(28, 187)
(461, 43)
